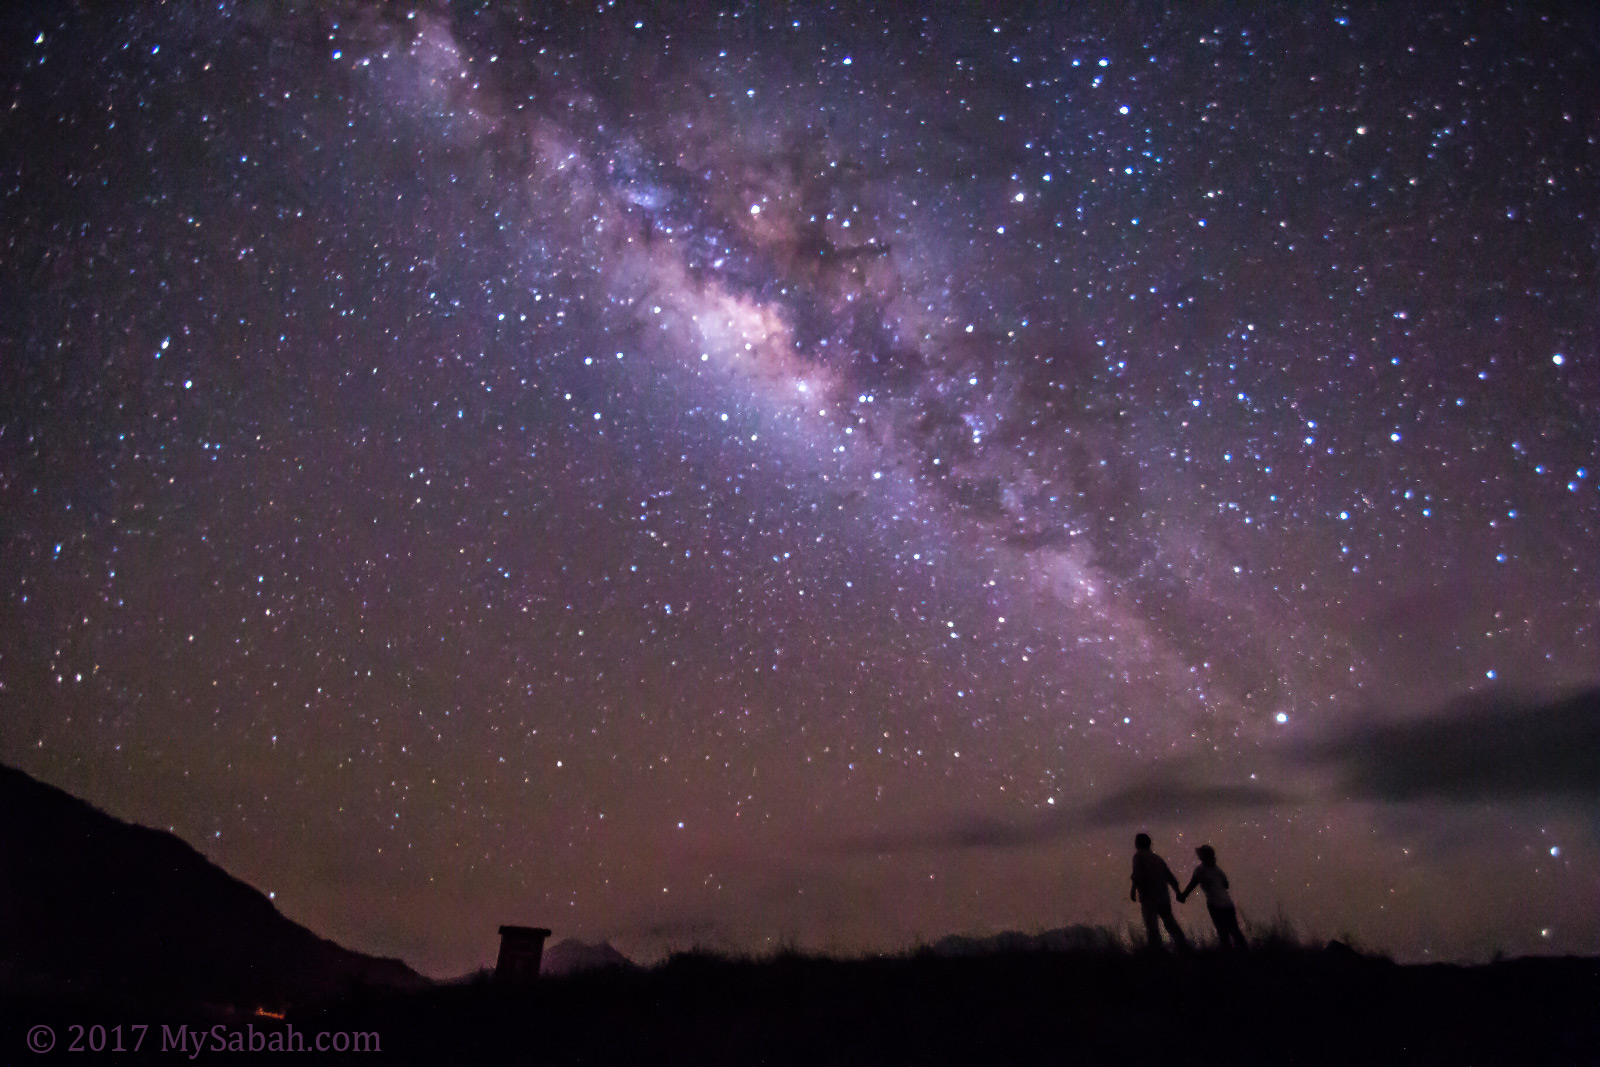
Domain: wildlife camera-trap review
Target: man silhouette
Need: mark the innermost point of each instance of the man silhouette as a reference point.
(1151, 877)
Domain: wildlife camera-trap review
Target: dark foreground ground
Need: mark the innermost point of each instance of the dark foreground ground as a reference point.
(1276, 1006)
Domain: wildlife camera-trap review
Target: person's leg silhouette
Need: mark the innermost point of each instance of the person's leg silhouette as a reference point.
(1152, 925)
(1174, 931)
(1157, 915)
(1229, 935)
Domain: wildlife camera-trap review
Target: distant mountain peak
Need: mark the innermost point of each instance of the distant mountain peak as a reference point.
(571, 956)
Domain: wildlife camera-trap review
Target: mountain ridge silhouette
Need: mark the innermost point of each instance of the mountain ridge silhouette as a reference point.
(92, 904)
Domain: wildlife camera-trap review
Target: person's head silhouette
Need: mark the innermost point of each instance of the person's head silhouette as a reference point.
(1142, 842)
(1207, 854)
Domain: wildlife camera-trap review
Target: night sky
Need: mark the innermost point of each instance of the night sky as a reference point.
(812, 475)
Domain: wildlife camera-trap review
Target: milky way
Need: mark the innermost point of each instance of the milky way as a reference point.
(758, 475)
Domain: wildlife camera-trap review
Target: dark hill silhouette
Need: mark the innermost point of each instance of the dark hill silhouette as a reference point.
(572, 956)
(90, 904)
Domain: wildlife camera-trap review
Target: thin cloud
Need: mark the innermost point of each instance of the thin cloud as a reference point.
(1137, 804)
(962, 832)
(1496, 747)
(1153, 800)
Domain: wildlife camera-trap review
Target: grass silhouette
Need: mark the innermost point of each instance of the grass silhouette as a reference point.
(1111, 1004)
(1079, 996)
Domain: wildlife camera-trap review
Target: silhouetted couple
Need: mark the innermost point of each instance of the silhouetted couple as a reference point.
(1152, 877)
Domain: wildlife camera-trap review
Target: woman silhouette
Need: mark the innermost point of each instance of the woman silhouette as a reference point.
(1209, 877)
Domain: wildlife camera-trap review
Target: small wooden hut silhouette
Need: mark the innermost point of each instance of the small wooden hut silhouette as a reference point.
(521, 949)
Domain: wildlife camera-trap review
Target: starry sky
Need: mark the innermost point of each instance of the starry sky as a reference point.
(817, 474)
